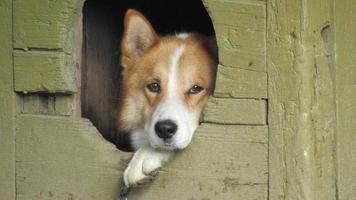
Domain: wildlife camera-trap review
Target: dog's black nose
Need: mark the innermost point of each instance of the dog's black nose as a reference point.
(165, 129)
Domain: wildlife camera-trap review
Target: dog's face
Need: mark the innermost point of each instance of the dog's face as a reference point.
(166, 82)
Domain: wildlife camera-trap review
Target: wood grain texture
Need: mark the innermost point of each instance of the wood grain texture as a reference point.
(43, 71)
(235, 111)
(64, 158)
(223, 162)
(46, 104)
(45, 31)
(240, 28)
(7, 105)
(64, 105)
(34, 104)
(301, 100)
(240, 83)
(44, 24)
(345, 46)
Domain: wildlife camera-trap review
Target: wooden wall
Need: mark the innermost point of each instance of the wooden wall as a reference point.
(311, 84)
(59, 155)
(7, 105)
(281, 124)
(345, 97)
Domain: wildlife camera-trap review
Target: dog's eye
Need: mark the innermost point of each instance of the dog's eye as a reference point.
(154, 87)
(195, 89)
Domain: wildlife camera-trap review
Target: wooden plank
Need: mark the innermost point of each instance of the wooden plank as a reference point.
(235, 111)
(223, 162)
(34, 104)
(301, 100)
(47, 104)
(42, 71)
(63, 105)
(44, 24)
(7, 105)
(240, 28)
(64, 158)
(240, 83)
(320, 17)
(345, 45)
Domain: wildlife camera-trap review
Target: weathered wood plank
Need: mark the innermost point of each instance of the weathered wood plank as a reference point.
(322, 101)
(33, 104)
(240, 28)
(47, 104)
(240, 83)
(41, 71)
(223, 162)
(44, 23)
(64, 158)
(345, 45)
(7, 105)
(235, 111)
(64, 105)
(301, 100)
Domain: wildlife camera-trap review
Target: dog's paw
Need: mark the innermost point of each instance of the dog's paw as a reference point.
(141, 171)
(144, 181)
(144, 165)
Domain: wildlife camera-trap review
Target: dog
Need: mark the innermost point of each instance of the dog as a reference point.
(166, 82)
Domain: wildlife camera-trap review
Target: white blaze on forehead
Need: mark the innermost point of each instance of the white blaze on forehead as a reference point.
(173, 72)
(183, 35)
(173, 108)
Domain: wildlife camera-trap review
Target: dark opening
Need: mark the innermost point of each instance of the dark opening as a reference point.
(102, 30)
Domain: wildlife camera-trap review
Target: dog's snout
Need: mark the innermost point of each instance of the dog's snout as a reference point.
(165, 129)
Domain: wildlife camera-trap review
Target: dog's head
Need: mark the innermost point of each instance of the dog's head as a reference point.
(166, 82)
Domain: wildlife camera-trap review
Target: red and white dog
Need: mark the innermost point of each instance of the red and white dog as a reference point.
(166, 84)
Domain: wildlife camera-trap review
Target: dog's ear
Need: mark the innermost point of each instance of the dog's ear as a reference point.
(138, 37)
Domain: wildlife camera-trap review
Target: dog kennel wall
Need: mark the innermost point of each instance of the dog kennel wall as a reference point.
(281, 124)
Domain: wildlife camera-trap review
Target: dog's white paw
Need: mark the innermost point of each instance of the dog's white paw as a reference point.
(144, 166)
(141, 171)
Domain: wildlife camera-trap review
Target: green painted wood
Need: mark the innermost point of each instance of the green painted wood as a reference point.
(45, 24)
(240, 83)
(223, 162)
(235, 111)
(301, 100)
(33, 104)
(63, 105)
(240, 28)
(45, 30)
(47, 104)
(43, 71)
(7, 105)
(64, 158)
(322, 99)
(345, 46)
